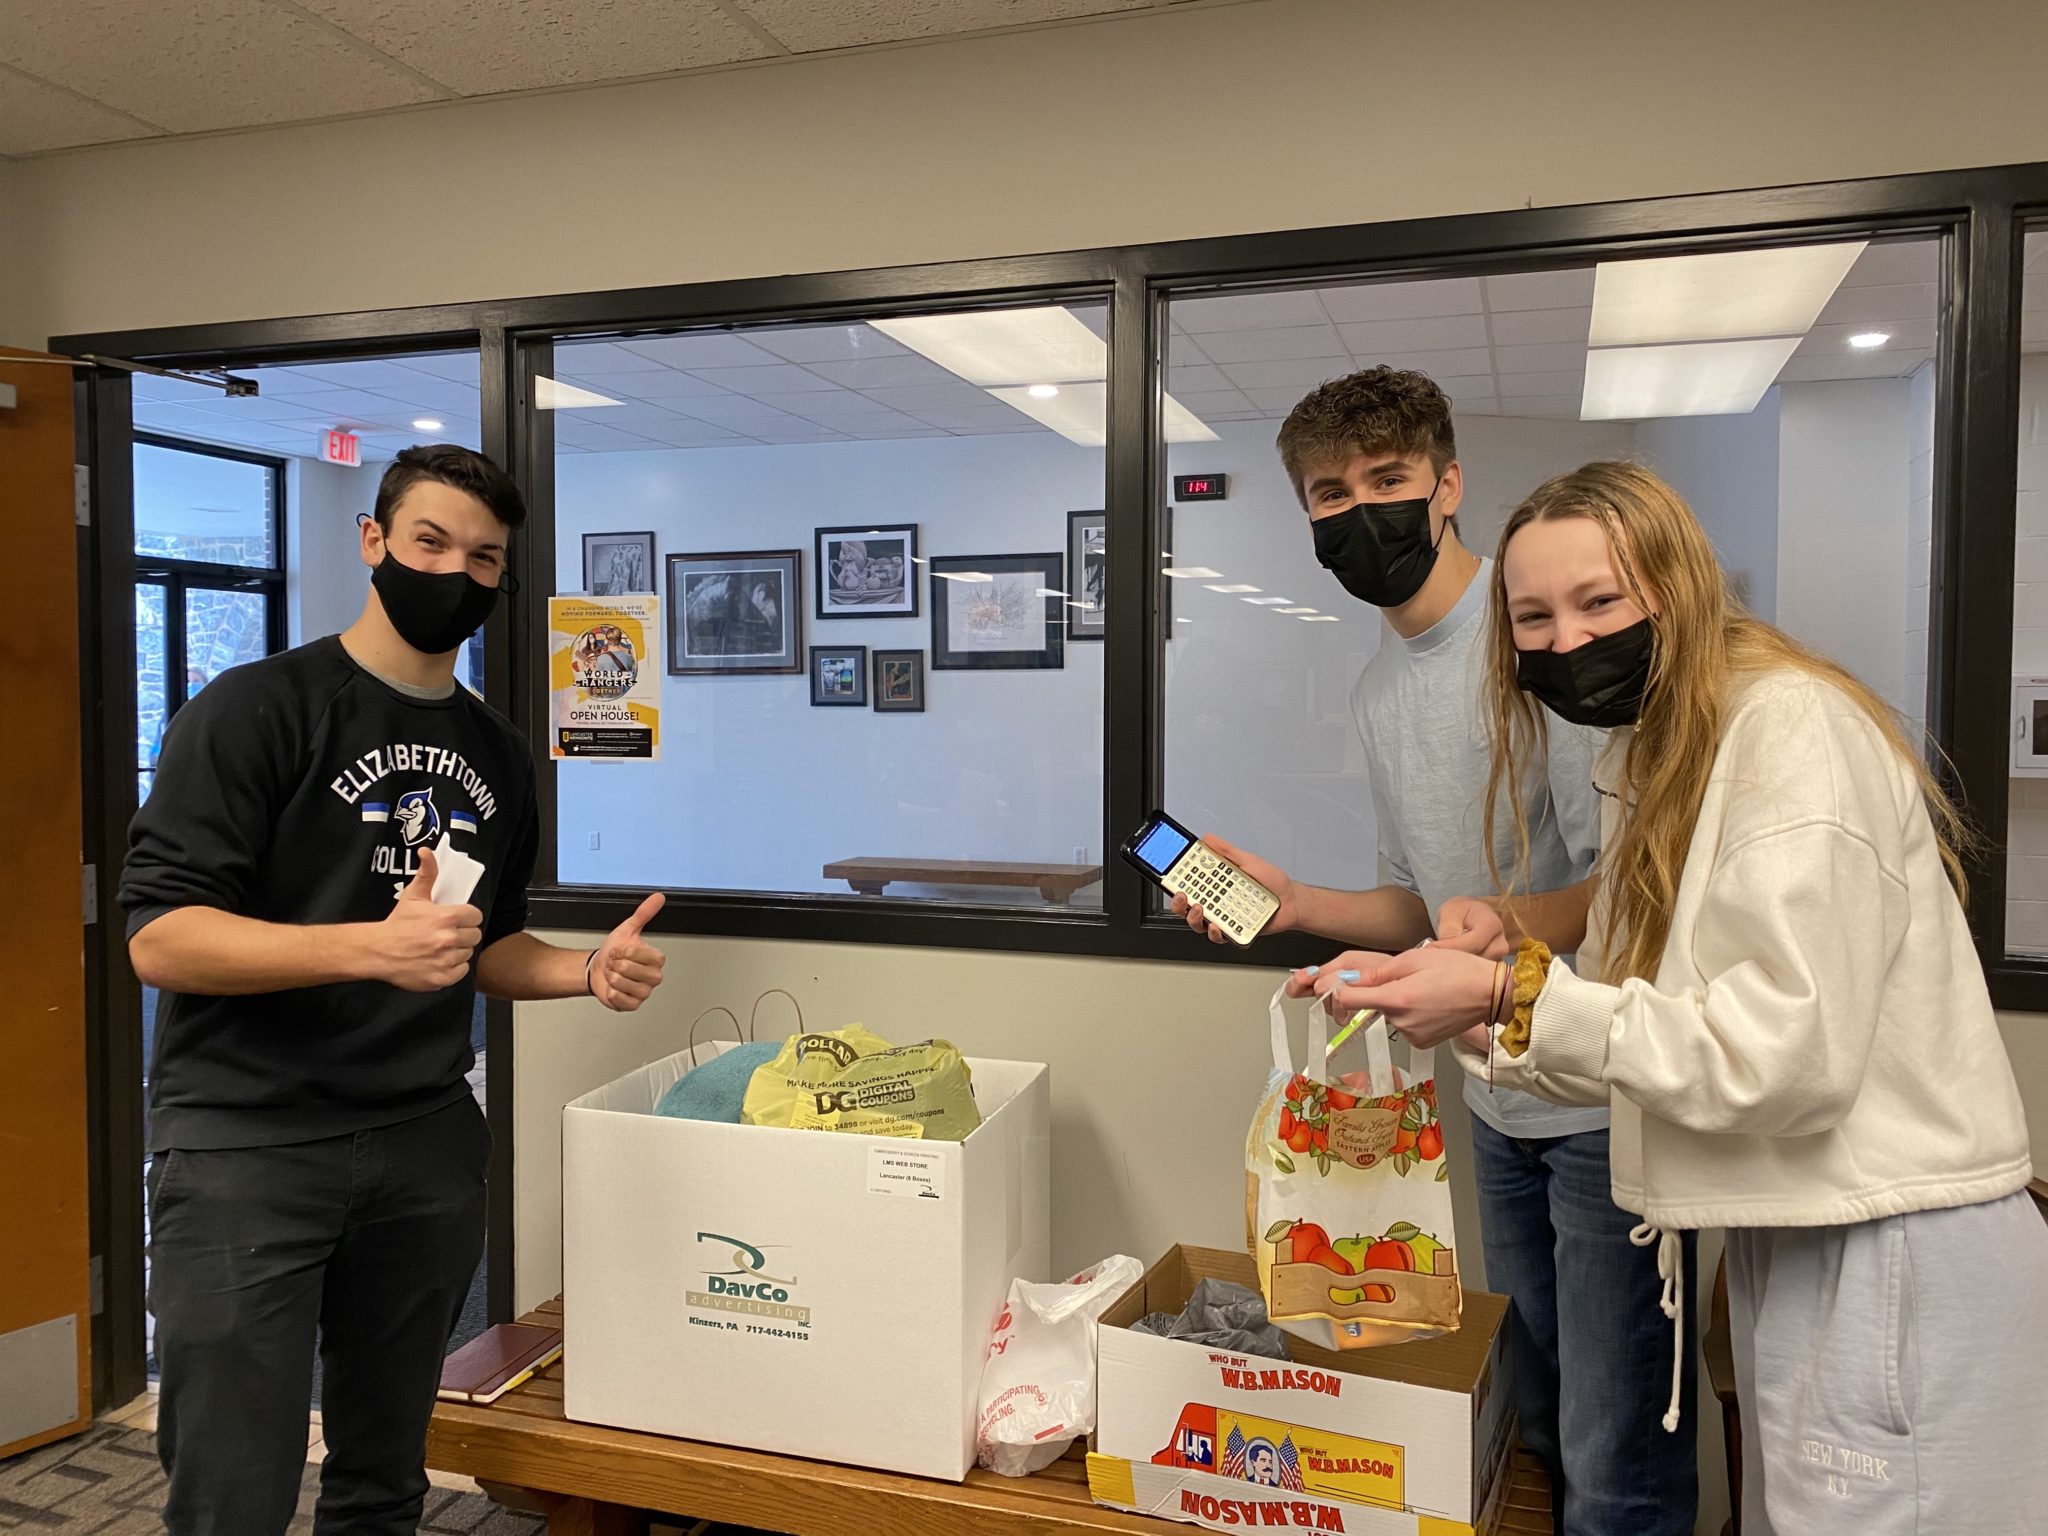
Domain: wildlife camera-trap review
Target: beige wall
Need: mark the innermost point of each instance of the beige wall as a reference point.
(1276, 115)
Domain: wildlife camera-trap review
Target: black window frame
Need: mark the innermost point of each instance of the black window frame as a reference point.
(1978, 213)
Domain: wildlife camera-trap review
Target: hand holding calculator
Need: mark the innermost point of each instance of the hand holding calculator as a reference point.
(1183, 865)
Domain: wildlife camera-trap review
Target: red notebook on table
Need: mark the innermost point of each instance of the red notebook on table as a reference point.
(497, 1360)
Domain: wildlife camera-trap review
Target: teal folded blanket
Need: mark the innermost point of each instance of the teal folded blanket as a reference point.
(715, 1090)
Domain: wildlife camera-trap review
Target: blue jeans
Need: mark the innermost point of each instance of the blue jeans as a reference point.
(1592, 1349)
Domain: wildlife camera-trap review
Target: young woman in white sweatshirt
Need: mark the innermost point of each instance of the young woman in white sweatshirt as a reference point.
(1777, 992)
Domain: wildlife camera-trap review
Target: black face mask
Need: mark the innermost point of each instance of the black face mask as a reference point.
(1600, 684)
(433, 612)
(1380, 550)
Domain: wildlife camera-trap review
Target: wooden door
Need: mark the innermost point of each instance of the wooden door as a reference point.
(45, 1286)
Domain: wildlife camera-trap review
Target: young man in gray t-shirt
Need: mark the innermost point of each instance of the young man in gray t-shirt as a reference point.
(1373, 459)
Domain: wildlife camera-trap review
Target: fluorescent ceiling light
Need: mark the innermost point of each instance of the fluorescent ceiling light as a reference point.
(1296, 611)
(963, 575)
(1080, 413)
(554, 395)
(1232, 588)
(1319, 618)
(1708, 378)
(1183, 572)
(1721, 296)
(1047, 345)
(1866, 340)
(426, 424)
(1268, 602)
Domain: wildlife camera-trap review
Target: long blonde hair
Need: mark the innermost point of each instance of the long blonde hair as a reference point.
(1704, 640)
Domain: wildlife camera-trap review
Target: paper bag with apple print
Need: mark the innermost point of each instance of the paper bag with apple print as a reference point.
(1347, 1194)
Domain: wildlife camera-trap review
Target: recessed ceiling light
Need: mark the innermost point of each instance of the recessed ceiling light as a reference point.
(1865, 340)
(1232, 588)
(1181, 572)
(1043, 391)
(426, 424)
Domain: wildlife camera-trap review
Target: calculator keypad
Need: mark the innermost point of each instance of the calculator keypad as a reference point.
(1231, 899)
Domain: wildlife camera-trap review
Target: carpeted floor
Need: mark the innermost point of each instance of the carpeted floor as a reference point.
(108, 1482)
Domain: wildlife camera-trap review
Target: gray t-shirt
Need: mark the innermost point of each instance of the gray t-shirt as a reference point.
(1420, 707)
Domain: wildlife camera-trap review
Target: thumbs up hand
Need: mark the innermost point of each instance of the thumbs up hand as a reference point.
(626, 968)
(422, 946)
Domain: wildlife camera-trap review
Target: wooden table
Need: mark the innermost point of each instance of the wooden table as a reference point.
(603, 1482)
(1055, 882)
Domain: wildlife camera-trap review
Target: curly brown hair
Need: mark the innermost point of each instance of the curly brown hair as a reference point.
(1378, 410)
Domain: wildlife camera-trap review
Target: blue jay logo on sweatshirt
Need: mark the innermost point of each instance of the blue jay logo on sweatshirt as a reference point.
(417, 818)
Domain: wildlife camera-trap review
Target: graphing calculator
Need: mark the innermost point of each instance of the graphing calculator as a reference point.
(1183, 865)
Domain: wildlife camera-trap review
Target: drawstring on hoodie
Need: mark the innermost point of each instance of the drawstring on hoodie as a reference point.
(1670, 1269)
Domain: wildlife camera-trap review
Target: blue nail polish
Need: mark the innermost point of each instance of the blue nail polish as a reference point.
(1312, 970)
(1347, 976)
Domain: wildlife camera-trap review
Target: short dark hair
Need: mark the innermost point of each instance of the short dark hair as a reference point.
(454, 465)
(1379, 410)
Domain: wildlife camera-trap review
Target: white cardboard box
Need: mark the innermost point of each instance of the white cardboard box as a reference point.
(1386, 1442)
(811, 1293)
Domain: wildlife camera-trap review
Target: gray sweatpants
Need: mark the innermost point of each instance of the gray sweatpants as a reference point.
(1894, 1374)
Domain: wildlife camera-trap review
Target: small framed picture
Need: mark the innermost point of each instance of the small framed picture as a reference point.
(1087, 600)
(997, 611)
(739, 612)
(867, 573)
(839, 675)
(899, 682)
(618, 564)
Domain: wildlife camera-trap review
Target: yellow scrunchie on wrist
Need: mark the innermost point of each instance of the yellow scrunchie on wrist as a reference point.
(1532, 969)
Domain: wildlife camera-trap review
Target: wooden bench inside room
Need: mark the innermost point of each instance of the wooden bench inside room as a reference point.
(592, 1481)
(1057, 883)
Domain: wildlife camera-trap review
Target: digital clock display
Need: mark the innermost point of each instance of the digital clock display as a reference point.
(1199, 487)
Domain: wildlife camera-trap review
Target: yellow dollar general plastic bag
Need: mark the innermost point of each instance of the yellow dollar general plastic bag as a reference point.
(853, 1080)
(1347, 1204)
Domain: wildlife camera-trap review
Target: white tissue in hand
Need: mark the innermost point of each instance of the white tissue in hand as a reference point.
(457, 874)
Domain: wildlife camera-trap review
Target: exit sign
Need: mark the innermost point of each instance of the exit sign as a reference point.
(339, 447)
(1200, 487)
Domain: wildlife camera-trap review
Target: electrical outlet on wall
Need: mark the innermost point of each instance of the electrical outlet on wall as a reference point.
(594, 840)
(1080, 855)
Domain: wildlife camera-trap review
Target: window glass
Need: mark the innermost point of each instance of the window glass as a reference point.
(873, 545)
(199, 506)
(152, 695)
(2026, 870)
(1788, 395)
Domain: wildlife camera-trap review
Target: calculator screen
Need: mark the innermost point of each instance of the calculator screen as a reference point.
(1160, 847)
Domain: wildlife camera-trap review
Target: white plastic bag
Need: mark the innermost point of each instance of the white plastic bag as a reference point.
(1038, 1387)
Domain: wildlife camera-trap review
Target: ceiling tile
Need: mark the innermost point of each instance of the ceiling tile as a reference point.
(35, 117)
(918, 399)
(1212, 402)
(1571, 289)
(999, 419)
(1299, 375)
(831, 404)
(682, 432)
(1466, 392)
(772, 379)
(1534, 327)
(483, 46)
(150, 386)
(1556, 382)
(287, 381)
(878, 434)
(804, 26)
(827, 343)
(1439, 333)
(1833, 340)
(367, 373)
(598, 358)
(1881, 304)
(1275, 400)
(737, 412)
(1554, 407)
(700, 349)
(1460, 362)
(1248, 311)
(1900, 261)
(462, 367)
(1885, 364)
(345, 407)
(885, 372)
(1403, 300)
(1184, 351)
(440, 396)
(661, 384)
(571, 429)
(247, 408)
(1543, 359)
(632, 415)
(193, 65)
(1195, 379)
(1261, 346)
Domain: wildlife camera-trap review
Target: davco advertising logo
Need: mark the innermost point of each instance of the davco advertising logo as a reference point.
(736, 1280)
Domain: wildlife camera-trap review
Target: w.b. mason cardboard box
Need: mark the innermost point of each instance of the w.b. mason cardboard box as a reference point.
(1404, 1440)
(812, 1293)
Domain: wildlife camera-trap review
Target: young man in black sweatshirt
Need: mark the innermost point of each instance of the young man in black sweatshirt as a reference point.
(317, 1159)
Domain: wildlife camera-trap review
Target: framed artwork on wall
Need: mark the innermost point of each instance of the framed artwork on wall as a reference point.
(618, 564)
(839, 674)
(1087, 601)
(899, 682)
(740, 612)
(867, 573)
(993, 612)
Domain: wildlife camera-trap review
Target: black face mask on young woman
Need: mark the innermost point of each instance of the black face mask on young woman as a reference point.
(1380, 551)
(1600, 683)
(433, 611)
